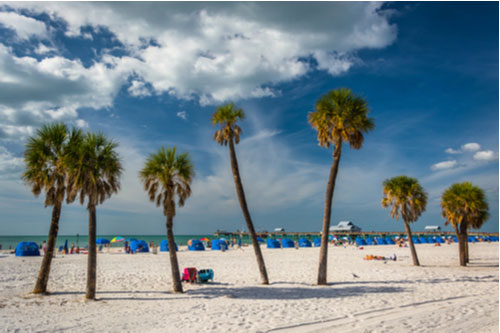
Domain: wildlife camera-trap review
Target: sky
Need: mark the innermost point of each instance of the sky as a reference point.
(152, 74)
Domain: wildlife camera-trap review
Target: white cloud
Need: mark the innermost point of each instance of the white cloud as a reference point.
(221, 51)
(444, 165)
(453, 151)
(471, 146)
(139, 89)
(44, 49)
(10, 166)
(25, 27)
(182, 115)
(80, 123)
(486, 155)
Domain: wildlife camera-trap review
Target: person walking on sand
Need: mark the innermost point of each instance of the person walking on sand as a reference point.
(44, 246)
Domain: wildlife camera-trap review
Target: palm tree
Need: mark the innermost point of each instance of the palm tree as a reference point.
(229, 133)
(407, 199)
(95, 175)
(340, 116)
(164, 175)
(464, 206)
(46, 159)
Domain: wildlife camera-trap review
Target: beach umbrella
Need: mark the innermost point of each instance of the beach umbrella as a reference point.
(102, 241)
(117, 239)
(205, 239)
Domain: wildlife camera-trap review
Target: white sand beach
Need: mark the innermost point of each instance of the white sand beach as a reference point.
(364, 296)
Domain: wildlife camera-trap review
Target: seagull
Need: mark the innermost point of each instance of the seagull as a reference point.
(354, 275)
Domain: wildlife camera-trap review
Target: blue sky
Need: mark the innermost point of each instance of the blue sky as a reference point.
(152, 74)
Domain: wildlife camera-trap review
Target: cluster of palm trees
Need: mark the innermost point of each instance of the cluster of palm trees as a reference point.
(69, 164)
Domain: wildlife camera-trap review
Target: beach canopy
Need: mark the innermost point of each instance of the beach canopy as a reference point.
(164, 246)
(260, 240)
(317, 242)
(117, 239)
(273, 244)
(287, 243)
(219, 244)
(25, 249)
(360, 241)
(139, 246)
(381, 241)
(101, 241)
(195, 245)
(389, 240)
(304, 242)
(369, 241)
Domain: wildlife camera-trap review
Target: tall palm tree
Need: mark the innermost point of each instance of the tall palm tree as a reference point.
(46, 158)
(166, 175)
(407, 199)
(229, 133)
(464, 206)
(95, 175)
(340, 116)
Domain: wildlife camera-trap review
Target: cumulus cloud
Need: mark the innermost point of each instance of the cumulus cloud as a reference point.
(221, 51)
(10, 166)
(182, 115)
(453, 151)
(80, 123)
(471, 146)
(445, 165)
(25, 27)
(486, 155)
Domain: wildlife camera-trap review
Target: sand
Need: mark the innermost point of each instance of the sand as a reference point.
(134, 292)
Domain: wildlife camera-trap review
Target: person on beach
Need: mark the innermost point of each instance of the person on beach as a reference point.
(44, 246)
(72, 248)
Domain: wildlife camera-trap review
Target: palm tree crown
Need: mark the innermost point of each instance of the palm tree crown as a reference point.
(406, 196)
(96, 173)
(166, 174)
(47, 157)
(227, 116)
(465, 202)
(341, 116)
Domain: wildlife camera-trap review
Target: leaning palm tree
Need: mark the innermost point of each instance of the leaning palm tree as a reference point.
(46, 159)
(464, 206)
(229, 133)
(166, 175)
(340, 116)
(95, 175)
(407, 199)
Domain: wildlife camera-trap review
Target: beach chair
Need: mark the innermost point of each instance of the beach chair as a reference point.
(204, 275)
(190, 275)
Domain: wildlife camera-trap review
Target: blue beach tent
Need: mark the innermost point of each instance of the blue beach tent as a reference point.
(425, 240)
(260, 240)
(381, 241)
(389, 240)
(25, 249)
(219, 244)
(416, 240)
(102, 241)
(439, 240)
(317, 242)
(139, 246)
(360, 241)
(304, 242)
(164, 246)
(287, 243)
(471, 239)
(273, 244)
(195, 245)
(369, 241)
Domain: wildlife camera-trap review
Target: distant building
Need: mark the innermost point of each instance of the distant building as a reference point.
(432, 228)
(345, 226)
(279, 229)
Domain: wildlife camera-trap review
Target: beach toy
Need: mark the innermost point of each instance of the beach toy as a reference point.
(164, 246)
(25, 249)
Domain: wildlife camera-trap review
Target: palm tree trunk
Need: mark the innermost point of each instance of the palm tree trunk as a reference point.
(43, 275)
(92, 259)
(466, 247)
(323, 252)
(463, 245)
(246, 214)
(174, 265)
(412, 246)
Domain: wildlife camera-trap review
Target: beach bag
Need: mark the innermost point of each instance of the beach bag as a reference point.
(204, 275)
